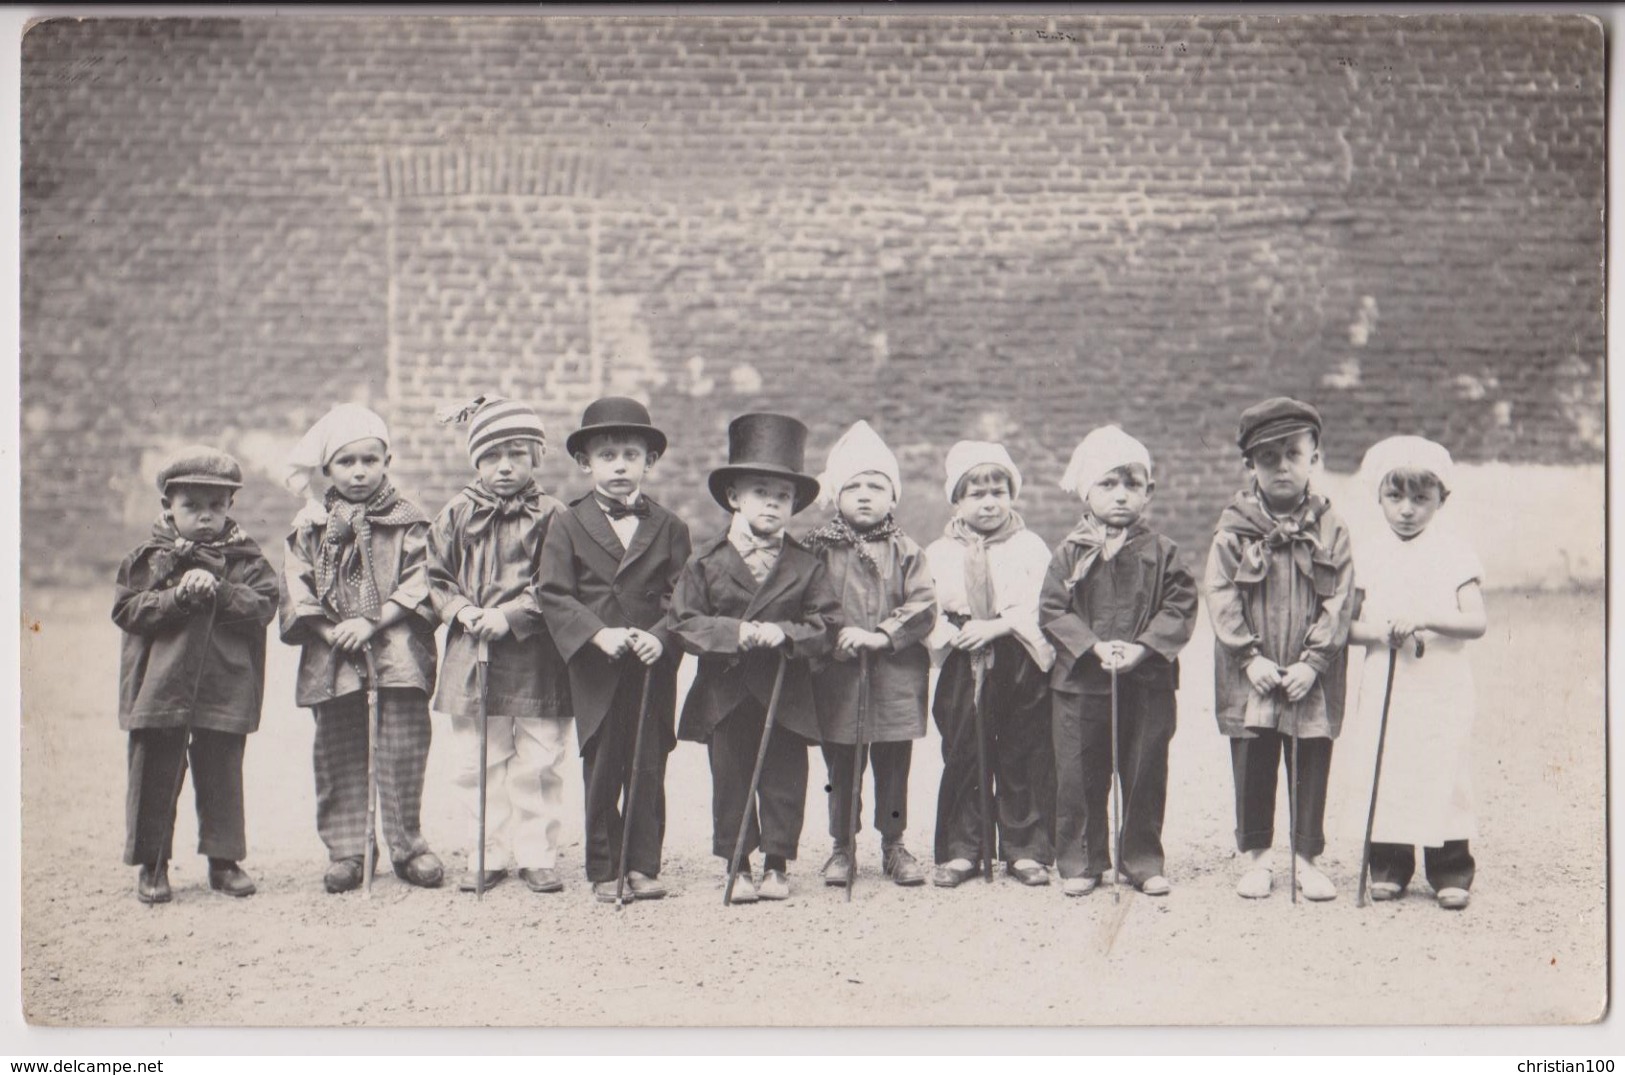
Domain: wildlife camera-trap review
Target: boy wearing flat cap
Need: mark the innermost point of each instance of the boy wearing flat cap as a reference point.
(193, 601)
(609, 565)
(1117, 599)
(484, 550)
(1279, 581)
(747, 600)
(355, 580)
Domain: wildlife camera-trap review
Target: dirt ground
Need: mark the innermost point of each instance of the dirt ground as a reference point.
(1531, 949)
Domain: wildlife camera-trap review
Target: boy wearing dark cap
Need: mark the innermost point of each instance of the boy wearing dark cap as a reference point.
(193, 601)
(745, 598)
(608, 568)
(1279, 581)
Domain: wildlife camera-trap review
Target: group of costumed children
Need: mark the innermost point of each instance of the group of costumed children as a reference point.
(1058, 669)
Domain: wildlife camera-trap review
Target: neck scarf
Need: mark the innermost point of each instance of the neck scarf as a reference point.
(488, 507)
(838, 532)
(1098, 542)
(1264, 534)
(978, 580)
(347, 547)
(175, 553)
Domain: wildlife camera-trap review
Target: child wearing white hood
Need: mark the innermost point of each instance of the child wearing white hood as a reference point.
(355, 579)
(890, 606)
(1421, 584)
(988, 569)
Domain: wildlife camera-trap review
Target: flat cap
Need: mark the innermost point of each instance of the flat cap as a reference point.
(1276, 419)
(198, 464)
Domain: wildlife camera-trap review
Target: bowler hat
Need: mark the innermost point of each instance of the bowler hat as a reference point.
(615, 414)
(774, 445)
(198, 464)
(1276, 419)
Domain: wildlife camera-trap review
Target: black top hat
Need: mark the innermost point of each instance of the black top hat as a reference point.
(770, 444)
(615, 414)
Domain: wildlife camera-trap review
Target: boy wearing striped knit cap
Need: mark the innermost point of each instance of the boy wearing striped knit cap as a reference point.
(355, 581)
(485, 549)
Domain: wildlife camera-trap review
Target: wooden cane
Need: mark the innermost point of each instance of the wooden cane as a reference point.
(983, 792)
(853, 823)
(482, 668)
(632, 786)
(755, 779)
(1376, 780)
(1117, 795)
(374, 719)
(1292, 779)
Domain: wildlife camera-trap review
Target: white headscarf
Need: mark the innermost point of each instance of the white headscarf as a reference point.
(344, 424)
(858, 451)
(1410, 453)
(1097, 455)
(967, 455)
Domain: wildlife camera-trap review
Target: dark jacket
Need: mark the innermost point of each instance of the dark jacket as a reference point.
(717, 592)
(588, 581)
(1143, 594)
(200, 666)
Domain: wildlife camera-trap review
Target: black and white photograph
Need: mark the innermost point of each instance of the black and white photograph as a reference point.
(763, 519)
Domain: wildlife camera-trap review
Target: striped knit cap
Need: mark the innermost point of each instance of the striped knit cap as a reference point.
(494, 419)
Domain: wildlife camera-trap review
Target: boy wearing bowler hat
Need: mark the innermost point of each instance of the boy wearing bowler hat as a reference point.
(1278, 584)
(193, 601)
(745, 598)
(608, 568)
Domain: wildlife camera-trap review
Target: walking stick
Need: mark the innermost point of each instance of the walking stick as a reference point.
(1117, 795)
(978, 670)
(1376, 781)
(755, 779)
(1376, 775)
(482, 669)
(374, 719)
(853, 822)
(632, 787)
(1292, 780)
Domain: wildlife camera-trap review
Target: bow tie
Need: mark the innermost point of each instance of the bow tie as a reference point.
(615, 509)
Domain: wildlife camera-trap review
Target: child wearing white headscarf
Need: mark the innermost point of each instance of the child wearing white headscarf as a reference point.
(1422, 605)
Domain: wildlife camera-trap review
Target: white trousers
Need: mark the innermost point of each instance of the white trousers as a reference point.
(524, 794)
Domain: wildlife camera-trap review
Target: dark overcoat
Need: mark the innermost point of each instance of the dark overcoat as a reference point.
(588, 581)
(715, 594)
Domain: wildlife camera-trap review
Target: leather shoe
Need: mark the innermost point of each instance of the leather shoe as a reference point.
(902, 867)
(543, 879)
(343, 875)
(1079, 886)
(152, 884)
(1382, 891)
(948, 876)
(422, 869)
(604, 892)
(1032, 876)
(1156, 885)
(838, 870)
(230, 879)
(643, 886)
(471, 880)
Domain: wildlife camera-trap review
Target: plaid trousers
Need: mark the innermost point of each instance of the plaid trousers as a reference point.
(341, 772)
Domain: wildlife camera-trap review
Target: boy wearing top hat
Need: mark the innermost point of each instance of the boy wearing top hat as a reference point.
(608, 568)
(193, 601)
(1278, 584)
(744, 599)
(484, 550)
(890, 607)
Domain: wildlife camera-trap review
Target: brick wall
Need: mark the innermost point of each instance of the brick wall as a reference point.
(1007, 227)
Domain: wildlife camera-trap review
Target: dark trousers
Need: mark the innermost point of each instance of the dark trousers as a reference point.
(1020, 758)
(1450, 866)
(157, 764)
(1083, 773)
(606, 768)
(341, 772)
(891, 763)
(1256, 763)
(773, 820)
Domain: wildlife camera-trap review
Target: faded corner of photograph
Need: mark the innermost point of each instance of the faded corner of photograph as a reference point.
(1011, 229)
